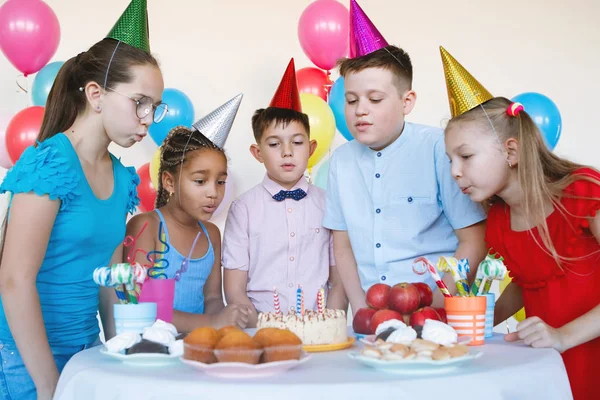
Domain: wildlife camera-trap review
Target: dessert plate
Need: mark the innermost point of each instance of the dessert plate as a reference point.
(414, 366)
(316, 348)
(143, 359)
(370, 340)
(243, 370)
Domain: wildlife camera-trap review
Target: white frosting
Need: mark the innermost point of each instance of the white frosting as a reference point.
(176, 348)
(158, 335)
(439, 332)
(122, 342)
(160, 324)
(313, 328)
(390, 323)
(402, 335)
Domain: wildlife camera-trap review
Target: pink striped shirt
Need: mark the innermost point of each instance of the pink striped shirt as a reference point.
(279, 243)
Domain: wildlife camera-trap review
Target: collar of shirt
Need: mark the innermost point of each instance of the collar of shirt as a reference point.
(392, 147)
(273, 187)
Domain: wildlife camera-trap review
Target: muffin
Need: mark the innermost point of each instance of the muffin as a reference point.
(279, 344)
(199, 345)
(238, 346)
(225, 330)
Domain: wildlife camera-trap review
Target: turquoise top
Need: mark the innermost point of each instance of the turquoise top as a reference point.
(85, 234)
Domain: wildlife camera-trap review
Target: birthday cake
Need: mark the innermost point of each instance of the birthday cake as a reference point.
(313, 328)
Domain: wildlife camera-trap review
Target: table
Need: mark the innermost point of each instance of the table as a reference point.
(505, 371)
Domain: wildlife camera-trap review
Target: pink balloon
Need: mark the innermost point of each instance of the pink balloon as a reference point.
(29, 34)
(228, 196)
(323, 32)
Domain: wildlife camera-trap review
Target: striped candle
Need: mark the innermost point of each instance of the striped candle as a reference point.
(298, 300)
(320, 301)
(276, 301)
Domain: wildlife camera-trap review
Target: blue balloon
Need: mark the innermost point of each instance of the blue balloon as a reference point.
(43, 82)
(322, 175)
(337, 102)
(181, 113)
(544, 113)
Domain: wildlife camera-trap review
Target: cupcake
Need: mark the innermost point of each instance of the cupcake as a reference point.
(225, 330)
(199, 345)
(238, 346)
(279, 344)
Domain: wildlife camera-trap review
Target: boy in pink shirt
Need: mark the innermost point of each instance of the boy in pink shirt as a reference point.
(274, 237)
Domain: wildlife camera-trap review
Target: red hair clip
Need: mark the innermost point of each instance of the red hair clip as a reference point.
(514, 109)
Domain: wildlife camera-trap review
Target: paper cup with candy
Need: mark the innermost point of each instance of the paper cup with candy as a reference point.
(161, 292)
(467, 316)
(133, 318)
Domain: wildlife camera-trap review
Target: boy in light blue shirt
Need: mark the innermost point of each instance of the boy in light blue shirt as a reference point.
(391, 197)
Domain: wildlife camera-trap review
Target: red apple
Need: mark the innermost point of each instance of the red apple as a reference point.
(422, 314)
(442, 313)
(425, 294)
(377, 296)
(382, 316)
(362, 321)
(404, 298)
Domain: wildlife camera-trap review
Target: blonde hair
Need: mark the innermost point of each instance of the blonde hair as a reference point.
(542, 175)
(175, 150)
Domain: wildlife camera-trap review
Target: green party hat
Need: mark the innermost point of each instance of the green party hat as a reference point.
(132, 26)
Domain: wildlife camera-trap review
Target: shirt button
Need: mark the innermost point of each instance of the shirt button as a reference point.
(289, 210)
(378, 154)
(378, 245)
(410, 199)
(378, 211)
(317, 230)
(383, 278)
(377, 175)
(290, 285)
(292, 258)
(292, 234)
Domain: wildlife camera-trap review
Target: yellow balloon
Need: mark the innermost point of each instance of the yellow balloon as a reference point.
(154, 168)
(520, 315)
(322, 125)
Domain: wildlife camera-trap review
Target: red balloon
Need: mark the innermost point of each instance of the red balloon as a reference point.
(314, 81)
(22, 131)
(145, 189)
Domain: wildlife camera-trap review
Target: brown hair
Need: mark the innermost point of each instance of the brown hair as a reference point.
(264, 117)
(542, 174)
(175, 150)
(65, 101)
(390, 58)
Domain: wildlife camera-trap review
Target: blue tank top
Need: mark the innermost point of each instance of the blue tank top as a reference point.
(189, 289)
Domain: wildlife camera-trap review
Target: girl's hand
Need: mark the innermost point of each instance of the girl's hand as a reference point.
(232, 314)
(536, 333)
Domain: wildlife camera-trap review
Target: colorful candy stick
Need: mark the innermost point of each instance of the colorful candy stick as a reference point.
(450, 265)
(490, 268)
(441, 285)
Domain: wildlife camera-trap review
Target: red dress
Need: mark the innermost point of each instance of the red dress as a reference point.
(558, 296)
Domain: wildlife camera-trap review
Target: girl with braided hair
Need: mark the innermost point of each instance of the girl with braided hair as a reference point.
(192, 175)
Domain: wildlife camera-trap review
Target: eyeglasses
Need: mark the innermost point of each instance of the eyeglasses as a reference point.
(144, 106)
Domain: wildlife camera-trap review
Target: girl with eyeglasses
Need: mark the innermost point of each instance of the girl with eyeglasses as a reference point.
(69, 201)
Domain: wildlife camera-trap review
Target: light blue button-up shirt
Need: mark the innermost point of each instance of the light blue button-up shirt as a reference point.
(397, 204)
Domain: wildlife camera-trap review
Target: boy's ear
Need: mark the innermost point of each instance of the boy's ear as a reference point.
(312, 147)
(168, 182)
(255, 151)
(512, 151)
(408, 101)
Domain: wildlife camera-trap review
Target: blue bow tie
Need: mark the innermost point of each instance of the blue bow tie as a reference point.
(297, 194)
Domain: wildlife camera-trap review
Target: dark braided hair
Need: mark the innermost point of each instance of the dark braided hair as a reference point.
(172, 155)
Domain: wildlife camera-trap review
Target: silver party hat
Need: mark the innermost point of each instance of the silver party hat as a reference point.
(216, 125)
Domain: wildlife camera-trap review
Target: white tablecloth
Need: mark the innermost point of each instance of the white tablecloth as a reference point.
(505, 371)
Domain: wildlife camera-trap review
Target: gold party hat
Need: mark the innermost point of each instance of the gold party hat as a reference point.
(464, 91)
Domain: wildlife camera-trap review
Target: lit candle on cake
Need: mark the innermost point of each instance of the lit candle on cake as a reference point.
(301, 301)
(298, 300)
(276, 301)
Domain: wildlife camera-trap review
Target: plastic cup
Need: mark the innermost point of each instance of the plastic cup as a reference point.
(489, 314)
(133, 318)
(467, 316)
(161, 292)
